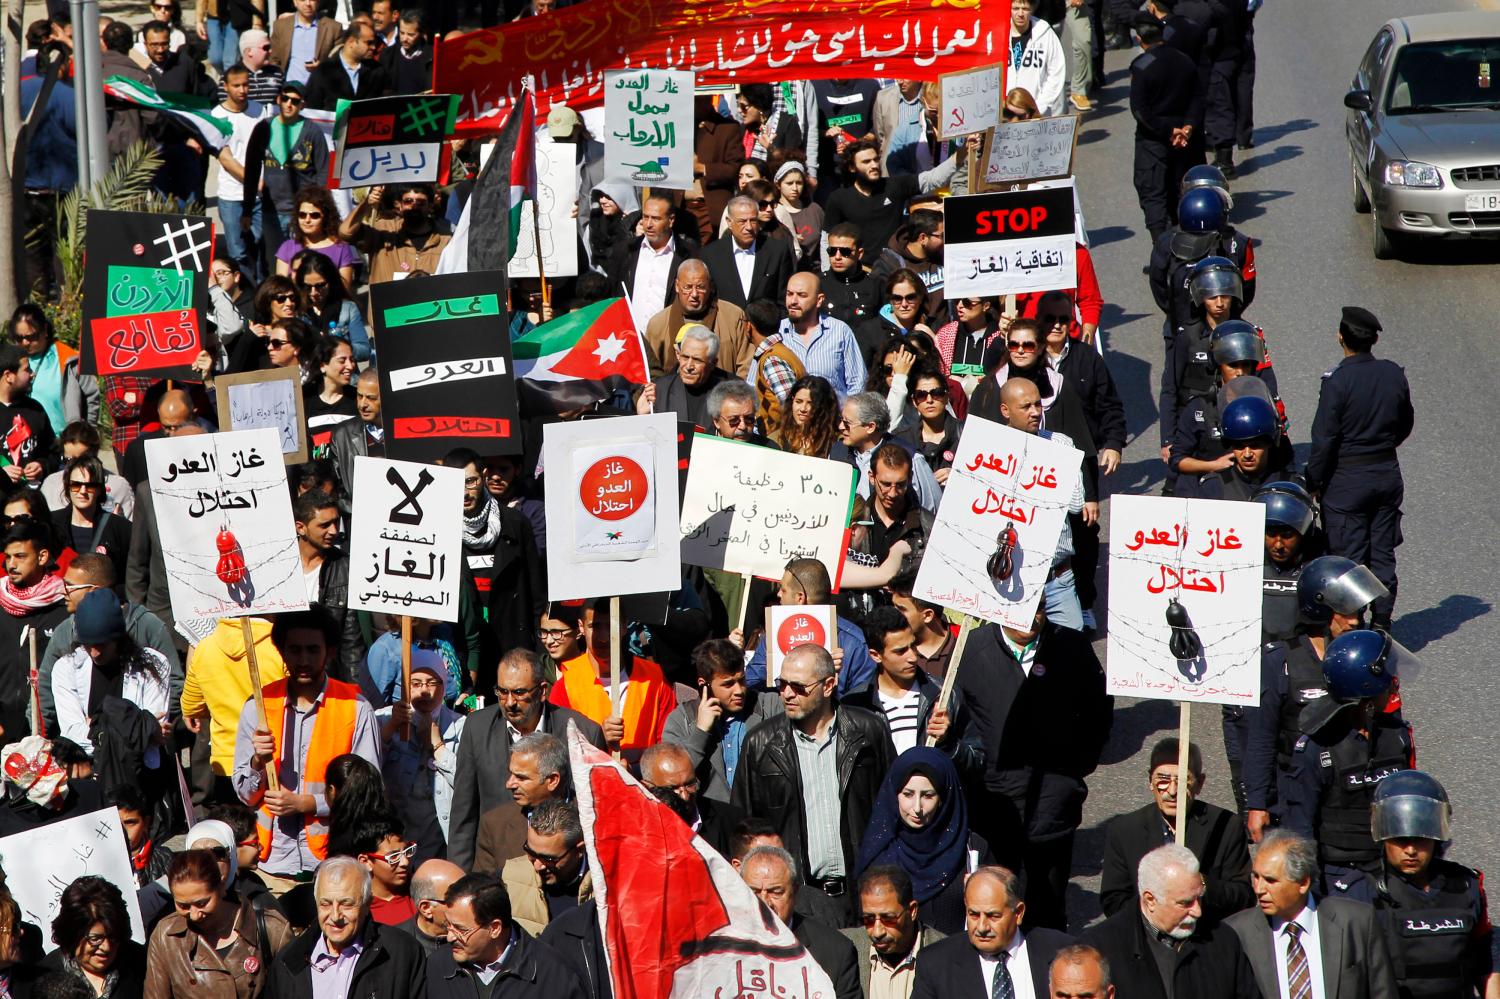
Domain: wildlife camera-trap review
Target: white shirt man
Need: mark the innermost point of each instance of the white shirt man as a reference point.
(653, 271)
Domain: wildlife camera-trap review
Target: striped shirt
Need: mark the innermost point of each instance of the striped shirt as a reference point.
(822, 804)
(831, 353)
(901, 714)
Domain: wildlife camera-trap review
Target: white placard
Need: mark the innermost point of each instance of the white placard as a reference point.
(612, 506)
(267, 404)
(751, 509)
(1207, 555)
(443, 372)
(1010, 242)
(788, 626)
(1008, 492)
(406, 539)
(1018, 152)
(392, 163)
(224, 516)
(40, 863)
(648, 127)
(557, 193)
(969, 101)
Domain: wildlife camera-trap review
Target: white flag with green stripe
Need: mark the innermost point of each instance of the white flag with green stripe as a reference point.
(193, 112)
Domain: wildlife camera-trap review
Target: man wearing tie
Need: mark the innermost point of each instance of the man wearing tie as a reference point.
(1305, 948)
(993, 959)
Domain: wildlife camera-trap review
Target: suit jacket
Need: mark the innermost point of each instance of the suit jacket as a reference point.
(773, 268)
(281, 39)
(391, 966)
(1210, 964)
(502, 835)
(329, 83)
(1356, 961)
(483, 764)
(861, 941)
(531, 968)
(834, 954)
(622, 265)
(950, 968)
(1217, 839)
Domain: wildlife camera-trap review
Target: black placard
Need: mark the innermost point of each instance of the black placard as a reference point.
(1002, 215)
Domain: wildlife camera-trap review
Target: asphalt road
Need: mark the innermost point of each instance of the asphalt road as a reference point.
(1438, 309)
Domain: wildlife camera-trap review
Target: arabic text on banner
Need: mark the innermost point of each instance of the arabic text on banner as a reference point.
(1207, 556)
(1010, 243)
(615, 517)
(649, 135)
(406, 540)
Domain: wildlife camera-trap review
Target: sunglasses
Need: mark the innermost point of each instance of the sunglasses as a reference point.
(291, 99)
(768, 203)
(78, 487)
(800, 689)
(1011, 114)
(869, 920)
(906, 298)
(312, 286)
(1054, 320)
(841, 251)
(309, 215)
(922, 395)
(285, 296)
(272, 344)
(1022, 346)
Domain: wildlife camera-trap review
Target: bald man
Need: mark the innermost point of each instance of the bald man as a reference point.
(992, 946)
(174, 411)
(429, 886)
(694, 301)
(361, 438)
(1080, 972)
(826, 346)
(668, 767)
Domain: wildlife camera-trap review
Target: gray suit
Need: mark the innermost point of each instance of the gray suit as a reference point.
(1356, 962)
(706, 749)
(861, 941)
(484, 763)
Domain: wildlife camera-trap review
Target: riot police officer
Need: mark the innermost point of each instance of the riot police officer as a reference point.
(1257, 453)
(1333, 595)
(1349, 744)
(1433, 911)
(1167, 104)
(1290, 541)
(1364, 414)
(1202, 230)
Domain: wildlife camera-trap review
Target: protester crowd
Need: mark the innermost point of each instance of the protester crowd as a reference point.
(383, 840)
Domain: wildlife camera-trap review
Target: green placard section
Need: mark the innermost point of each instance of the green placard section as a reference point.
(444, 308)
(137, 291)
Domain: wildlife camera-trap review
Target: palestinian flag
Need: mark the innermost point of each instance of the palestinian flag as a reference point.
(580, 358)
(485, 237)
(192, 112)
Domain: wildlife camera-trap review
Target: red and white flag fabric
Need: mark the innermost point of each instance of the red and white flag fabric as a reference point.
(678, 923)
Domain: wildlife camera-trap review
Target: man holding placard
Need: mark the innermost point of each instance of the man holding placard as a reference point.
(634, 715)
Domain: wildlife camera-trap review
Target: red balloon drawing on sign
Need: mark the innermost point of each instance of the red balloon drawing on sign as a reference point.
(800, 629)
(613, 488)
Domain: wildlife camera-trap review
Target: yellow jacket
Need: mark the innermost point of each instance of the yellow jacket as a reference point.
(218, 682)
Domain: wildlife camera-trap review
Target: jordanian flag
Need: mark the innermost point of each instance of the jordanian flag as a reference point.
(193, 112)
(485, 237)
(580, 358)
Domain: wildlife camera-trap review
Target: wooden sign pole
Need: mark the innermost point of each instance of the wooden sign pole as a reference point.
(1184, 780)
(744, 604)
(536, 230)
(406, 671)
(964, 627)
(260, 698)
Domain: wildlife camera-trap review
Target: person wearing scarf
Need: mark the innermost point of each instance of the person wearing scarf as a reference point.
(920, 823)
(31, 596)
(290, 153)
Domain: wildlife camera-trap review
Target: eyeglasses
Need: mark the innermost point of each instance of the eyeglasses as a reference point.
(78, 487)
(396, 856)
(97, 940)
(903, 299)
(971, 303)
(553, 635)
(516, 693)
(310, 215)
(272, 344)
(841, 251)
(739, 421)
(869, 919)
(462, 934)
(1057, 320)
(1022, 346)
(263, 48)
(922, 395)
(800, 689)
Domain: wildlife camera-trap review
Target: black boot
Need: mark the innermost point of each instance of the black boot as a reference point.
(1224, 160)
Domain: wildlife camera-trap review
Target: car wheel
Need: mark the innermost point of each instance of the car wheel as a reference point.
(1361, 200)
(1384, 243)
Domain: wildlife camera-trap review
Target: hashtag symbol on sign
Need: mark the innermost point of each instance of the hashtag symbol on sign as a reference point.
(423, 116)
(190, 251)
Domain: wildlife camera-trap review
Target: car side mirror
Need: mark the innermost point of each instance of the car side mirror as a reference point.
(1358, 100)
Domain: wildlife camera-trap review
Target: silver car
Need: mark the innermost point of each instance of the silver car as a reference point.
(1424, 129)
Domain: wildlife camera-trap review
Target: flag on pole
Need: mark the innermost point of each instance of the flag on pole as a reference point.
(505, 182)
(580, 358)
(193, 112)
(677, 921)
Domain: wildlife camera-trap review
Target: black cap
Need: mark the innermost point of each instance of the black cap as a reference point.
(1359, 322)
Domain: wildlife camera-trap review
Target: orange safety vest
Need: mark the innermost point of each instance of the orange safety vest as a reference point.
(332, 735)
(649, 698)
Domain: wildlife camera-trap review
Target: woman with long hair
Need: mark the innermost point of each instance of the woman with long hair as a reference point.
(317, 228)
(328, 396)
(276, 300)
(934, 434)
(85, 523)
(810, 419)
(329, 309)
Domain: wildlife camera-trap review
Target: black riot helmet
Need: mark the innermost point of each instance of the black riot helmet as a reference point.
(1209, 176)
(1364, 663)
(1410, 805)
(1235, 341)
(1287, 503)
(1215, 276)
(1336, 584)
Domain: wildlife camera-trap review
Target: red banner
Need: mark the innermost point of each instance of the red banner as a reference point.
(567, 51)
(142, 344)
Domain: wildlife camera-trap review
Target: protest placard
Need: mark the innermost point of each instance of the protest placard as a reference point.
(969, 101)
(406, 539)
(1009, 243)
(750, 509)
(611, 506)
(788, 626)
(271, 398)
(392, 140)
(648, 133)
(1018, 152)
(40, 863)
(224, 517)
(1003, 509)
(1196, 565)
(446, 377)
(145, 293)
(556, 195)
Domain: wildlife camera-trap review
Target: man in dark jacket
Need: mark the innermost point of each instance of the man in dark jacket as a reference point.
(815, 772)
(1162, 940)
(772, 874)
(125, 122)
(347, 74)
(663, 253)
(185, 161)
(388, 963)
(576, 938)
(316, 515)
(1037, 699)
(768, 268)
(853, 296)
(490, 955)
(361, 438)
(722, 716)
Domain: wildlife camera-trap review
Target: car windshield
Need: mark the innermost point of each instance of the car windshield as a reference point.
(1446, 76)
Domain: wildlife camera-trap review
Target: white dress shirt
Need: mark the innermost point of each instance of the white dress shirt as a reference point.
(744, 262)
(1311, 946)
(652, 269)
(1017, 962)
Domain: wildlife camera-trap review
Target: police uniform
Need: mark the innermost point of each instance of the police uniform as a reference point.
(1243, 741)
(1226, 55)
(1325, 790)
(1164, 95)
(1439, 938)
(1364, 414)
(1198, 436)
(1190, 373)
(1290, 682)
(1232, 484)
(1170, 275)
(1280, 617)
